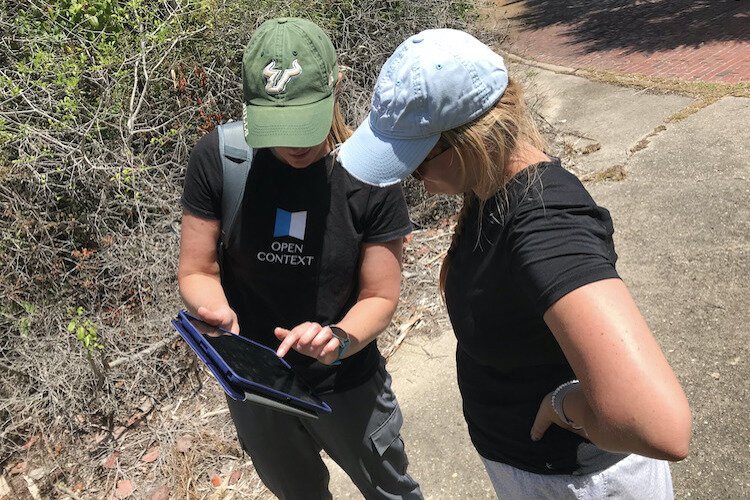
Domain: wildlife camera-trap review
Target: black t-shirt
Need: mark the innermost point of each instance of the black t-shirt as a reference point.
(506, 270)
(298, 249)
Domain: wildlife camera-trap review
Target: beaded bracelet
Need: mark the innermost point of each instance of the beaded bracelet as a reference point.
(558, 396)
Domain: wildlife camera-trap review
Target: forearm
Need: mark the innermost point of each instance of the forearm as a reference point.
(643, 432)
(366, 320)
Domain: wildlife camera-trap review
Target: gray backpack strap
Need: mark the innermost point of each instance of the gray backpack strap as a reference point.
(236, 160)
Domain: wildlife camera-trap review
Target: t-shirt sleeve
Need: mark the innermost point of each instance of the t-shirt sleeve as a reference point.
(556, 249)
(202, 190)
(387, 215)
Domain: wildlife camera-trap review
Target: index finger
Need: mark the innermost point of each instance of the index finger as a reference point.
(289, 340)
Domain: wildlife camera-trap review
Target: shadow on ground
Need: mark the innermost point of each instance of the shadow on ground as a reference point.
(638, 26)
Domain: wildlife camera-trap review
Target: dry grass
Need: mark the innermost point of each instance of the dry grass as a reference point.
(705, 93)
(613, 173)
(186, 447)
(700, 90)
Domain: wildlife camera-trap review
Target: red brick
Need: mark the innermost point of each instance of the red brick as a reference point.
(715, 60)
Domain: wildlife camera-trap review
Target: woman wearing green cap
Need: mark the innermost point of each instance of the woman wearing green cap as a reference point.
(565, 391)
(315, 247)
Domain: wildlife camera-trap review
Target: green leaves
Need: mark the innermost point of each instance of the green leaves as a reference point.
(84, 329)
(95, 14)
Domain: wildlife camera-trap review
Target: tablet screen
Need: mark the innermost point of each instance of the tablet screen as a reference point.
(253, 363)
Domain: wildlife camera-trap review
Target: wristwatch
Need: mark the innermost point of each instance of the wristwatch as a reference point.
(344, 341)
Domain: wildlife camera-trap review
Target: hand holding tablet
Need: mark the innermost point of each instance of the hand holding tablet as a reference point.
(248, 370)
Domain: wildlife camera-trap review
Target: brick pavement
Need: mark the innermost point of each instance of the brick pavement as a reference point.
(701, 40)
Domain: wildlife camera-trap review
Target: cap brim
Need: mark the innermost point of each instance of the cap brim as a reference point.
(300, 126)
(381, 161)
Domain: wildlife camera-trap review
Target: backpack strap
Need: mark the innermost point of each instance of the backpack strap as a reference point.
(236, 160)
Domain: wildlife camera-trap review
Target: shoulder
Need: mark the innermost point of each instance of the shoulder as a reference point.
(381, 211)
(208, 145)
(354, 188)
(548, 186)
(550, 200)
(205, 158)
(202, 188)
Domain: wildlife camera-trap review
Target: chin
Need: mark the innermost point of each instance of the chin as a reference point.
(301, 162)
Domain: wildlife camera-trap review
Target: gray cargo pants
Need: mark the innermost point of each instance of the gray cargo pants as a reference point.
(362, 434)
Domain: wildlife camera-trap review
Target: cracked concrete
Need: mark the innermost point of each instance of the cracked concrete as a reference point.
(587, 113)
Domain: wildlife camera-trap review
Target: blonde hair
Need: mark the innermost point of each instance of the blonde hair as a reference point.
(340, 131)
(485, 148)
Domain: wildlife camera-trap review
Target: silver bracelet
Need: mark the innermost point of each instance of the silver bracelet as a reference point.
(558, 396)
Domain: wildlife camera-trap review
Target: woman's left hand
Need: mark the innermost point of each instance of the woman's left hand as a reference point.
(545, 417)
(309, 339)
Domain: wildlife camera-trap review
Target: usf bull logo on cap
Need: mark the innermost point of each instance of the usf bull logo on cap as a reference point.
(289, 72)
(276, 80)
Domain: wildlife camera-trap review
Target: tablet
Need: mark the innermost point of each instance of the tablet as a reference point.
(215, 371)
(251, 368)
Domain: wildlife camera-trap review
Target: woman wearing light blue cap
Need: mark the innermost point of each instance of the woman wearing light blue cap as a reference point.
(566, 392)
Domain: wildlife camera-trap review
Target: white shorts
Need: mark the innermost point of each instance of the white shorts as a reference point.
(634, 477)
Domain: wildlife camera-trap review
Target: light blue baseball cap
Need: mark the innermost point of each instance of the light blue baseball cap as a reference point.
(435, 81)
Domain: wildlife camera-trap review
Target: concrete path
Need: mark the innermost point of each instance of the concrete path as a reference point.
(707, 41)
(682, 223)
(683, 220)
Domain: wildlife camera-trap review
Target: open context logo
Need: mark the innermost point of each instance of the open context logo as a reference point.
(290, 224)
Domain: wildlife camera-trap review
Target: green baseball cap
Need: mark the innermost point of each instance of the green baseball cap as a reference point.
(289, 72)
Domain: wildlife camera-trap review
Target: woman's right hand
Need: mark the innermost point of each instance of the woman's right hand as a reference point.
(223, 317)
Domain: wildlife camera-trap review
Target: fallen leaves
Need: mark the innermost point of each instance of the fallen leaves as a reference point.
(159, 493)
(124, 489)
(32, 440)
(235, 477)
(151, 455)
(19, 468)
(111, 461)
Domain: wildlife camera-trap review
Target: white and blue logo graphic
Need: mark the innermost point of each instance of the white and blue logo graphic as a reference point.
(290, 253)
(290, 224)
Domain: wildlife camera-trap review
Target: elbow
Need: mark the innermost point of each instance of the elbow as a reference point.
(674, 432)
(674, 449)
(678, 452)
(675, 446)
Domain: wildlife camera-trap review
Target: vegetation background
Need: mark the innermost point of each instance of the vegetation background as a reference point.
(100, 104)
